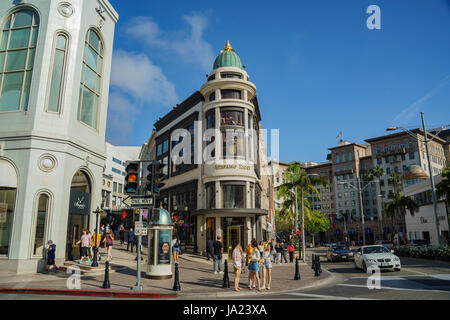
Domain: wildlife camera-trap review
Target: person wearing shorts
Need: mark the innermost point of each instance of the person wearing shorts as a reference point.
(85, 244)
(253, 266)
(237, 264)
(267, 266)
(175, 249)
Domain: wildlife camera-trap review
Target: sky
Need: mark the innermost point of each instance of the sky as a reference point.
(319, 70)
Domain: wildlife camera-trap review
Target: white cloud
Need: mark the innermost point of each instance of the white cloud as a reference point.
(188, 43)
(120, 108)
(413, 110)
(135, 74)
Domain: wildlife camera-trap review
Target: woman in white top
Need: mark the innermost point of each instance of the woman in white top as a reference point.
(237, 264)
(253, 266)
(267, 266)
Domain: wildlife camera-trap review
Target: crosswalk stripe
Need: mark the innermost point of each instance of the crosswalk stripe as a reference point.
(325, 297)
(389, 288)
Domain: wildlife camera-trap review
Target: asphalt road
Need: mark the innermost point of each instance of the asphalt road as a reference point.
(417, 280)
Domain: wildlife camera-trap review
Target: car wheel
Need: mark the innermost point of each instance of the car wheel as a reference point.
(397, 269)
(364, 267)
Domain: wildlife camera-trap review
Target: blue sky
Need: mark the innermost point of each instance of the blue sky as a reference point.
(318, 69)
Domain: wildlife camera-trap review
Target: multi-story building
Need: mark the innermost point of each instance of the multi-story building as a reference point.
(214, 197)
(114, 173)
(55, 61)
(422, 225)
(350, 162)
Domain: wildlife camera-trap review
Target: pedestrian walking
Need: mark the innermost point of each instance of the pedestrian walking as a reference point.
(175, 248)
(291, 250)
(122, 235)
(131, 239)
(103, 233)
(267, 267)
(96, 240)
(253, 266)
(90, 254)
(237, 264)
(209, 248)
(217, 255)
(249, 250)
(51, 254)
(278, 251)
(85, 244)
(284, 251)
(109, 243)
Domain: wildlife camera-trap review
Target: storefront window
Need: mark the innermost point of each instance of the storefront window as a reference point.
(233, 144)
(231, 118)
(233, 196)
(211, 119)
(39, 237)
(210, 196)
(7, 200)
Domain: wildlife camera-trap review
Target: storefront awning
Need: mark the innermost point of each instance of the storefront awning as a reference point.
(238, 211)
(8, 176)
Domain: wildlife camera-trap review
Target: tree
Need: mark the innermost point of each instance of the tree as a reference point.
(397, 205)
(316, 222)
(298, 179)
(396, 181)
(443, 187)
(375, 172)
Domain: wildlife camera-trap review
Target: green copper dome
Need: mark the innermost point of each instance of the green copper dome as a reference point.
(228, 58)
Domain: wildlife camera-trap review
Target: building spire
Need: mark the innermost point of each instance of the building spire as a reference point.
(228, 47)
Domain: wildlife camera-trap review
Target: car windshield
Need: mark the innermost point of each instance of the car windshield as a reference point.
(378, 249)
(340, 247)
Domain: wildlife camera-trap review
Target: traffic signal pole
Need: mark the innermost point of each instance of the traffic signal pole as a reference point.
(138, 285)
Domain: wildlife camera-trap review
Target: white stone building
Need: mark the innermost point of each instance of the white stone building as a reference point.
(55, 60)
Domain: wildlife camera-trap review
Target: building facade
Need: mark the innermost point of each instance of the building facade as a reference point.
(214, 197)
(55, 60)
(398, 154)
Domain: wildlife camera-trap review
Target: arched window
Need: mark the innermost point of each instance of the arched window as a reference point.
(57, 73)
(17, 49)
(91, 77)
(40, 224)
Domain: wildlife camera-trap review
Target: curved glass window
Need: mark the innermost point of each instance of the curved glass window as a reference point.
(91, 78)
(211, 119)
(230, 94)
(233, 143)
(41, 218)
(17, 49)
(57, 75)
(231, 118)
(230, 75)
(212, 96)
(233, 196)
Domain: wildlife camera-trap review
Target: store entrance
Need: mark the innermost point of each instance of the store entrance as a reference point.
(78, 216)
(233, 237)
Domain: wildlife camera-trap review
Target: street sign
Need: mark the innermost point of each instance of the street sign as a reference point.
(140, 228)
(138, 201)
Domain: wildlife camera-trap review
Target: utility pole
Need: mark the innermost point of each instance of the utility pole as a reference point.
(433, 188)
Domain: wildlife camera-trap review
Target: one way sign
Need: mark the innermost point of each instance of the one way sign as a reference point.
(138, 201)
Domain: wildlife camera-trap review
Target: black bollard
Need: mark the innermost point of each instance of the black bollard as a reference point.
(176, 284)
(106, 284)
(313, 261)
(297, 271)
(226, 280)
(318, 265)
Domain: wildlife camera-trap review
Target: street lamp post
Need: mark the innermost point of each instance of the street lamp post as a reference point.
(94, 262)
(433, 187)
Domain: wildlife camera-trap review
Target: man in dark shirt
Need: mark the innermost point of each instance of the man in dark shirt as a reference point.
(131, 239)
(217, 255)
(51, 256)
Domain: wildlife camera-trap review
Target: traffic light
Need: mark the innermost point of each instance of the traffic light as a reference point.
(158, 175)
(155, 215)
(132, 177)
(150, 178)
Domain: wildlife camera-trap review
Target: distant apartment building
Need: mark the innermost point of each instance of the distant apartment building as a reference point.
(114, 176)
(395, 153)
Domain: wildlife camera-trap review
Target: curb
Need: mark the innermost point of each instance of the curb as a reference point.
(233, 294)
(91, 293)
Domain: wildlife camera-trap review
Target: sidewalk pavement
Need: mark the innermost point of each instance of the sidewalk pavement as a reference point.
(197, 279)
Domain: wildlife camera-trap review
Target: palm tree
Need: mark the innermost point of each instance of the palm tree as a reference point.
(397, 205)
(396, 181)
(375, 172)
(298, 179)
(443, 187)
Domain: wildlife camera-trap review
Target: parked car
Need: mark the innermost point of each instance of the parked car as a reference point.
(388, 244)
(419, 243)
(339, 252)
(378, 255)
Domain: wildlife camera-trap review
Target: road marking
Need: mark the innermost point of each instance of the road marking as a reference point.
(390, 288)
(413, 271)
(325, 297)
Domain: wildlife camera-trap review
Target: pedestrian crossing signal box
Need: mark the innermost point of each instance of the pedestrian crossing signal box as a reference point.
(155, 215)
